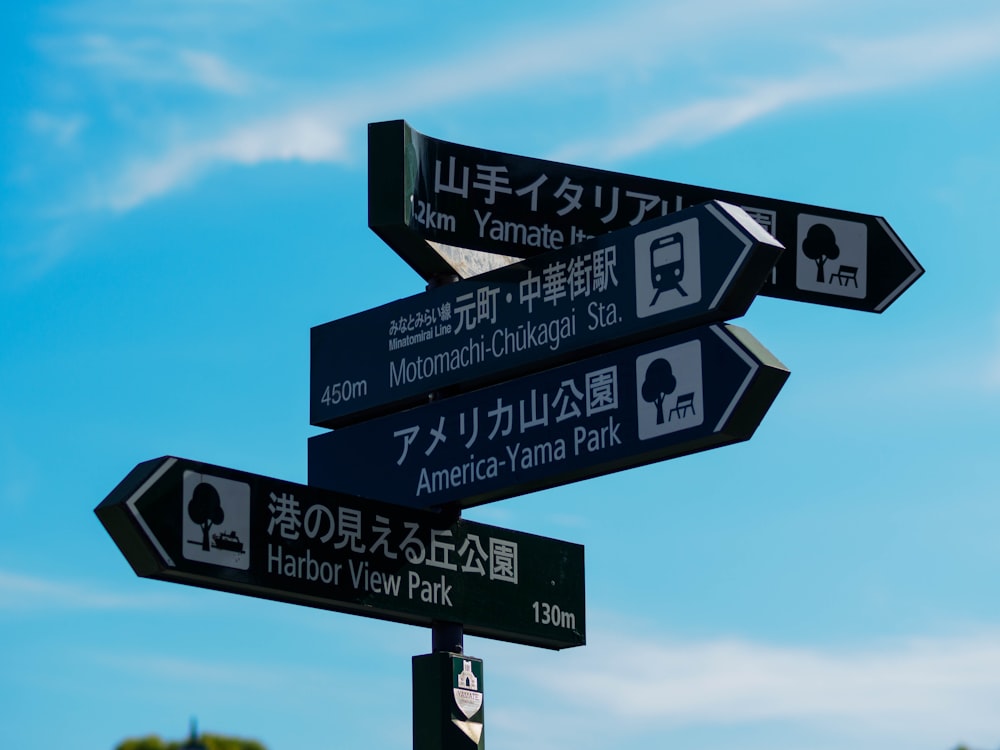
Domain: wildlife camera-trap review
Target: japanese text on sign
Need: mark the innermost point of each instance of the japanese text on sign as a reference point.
(377, 536)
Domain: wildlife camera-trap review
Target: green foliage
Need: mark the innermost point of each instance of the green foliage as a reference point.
(218, 742)
(209, 741)
(152, 742)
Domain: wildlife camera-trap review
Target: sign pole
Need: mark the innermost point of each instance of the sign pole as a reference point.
(447, 636)
(447, 686)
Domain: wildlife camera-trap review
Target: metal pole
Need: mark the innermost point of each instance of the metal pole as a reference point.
(447, 637)
(448, 709)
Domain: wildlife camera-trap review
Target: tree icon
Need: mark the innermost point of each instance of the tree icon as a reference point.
(658, 384)
(820, 245)
(205, 509)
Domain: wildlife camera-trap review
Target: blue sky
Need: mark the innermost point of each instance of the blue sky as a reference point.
(184, 196)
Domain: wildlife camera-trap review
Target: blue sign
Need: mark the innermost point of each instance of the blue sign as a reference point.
(430, 199)
(696, 266)
(218, 528)
(688, 392)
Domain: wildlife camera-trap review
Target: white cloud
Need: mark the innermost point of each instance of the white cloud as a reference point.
(213, 73)
(318, 131)
(218, 675)
(740, 681)
(966, 369)
(621, 690)
(62, 129)
(24, 593)
(862, 66)
(922, 692)
(309, 136)
(638, 47)
(290, 686)
(148, 60)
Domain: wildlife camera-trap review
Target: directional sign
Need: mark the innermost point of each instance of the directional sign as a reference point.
(208, 526)
(700, 265)
(431, 200)
(694, 390)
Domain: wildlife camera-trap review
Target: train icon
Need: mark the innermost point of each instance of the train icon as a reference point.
(667, 268)
(666, 264)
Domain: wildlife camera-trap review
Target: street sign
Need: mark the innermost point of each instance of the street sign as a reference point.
(434, 202)
(203, 525)
(694, 390)
(699, 265)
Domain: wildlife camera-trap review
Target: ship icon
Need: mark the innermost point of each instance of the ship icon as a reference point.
(227, 540)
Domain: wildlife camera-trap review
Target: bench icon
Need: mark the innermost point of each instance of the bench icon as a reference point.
(845, 274)
(684, 402)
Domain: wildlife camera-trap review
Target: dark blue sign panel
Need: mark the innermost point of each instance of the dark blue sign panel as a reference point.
(218, 528)
(427, 197)
(700, 265)
(694, 390)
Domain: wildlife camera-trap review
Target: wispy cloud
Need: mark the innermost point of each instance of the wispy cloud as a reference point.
(150, 61)
(212, 72)
(925, 693)
(967, 369)
(25, 593)
(740, 680)
(319, 131)
(306, 135)
(861, 66)
(922, 692)
(217, 675)
(257, 116)
(60, 129)
(246, 681)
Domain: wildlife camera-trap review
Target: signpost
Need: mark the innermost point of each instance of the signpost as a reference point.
(588, 341)
(203, 525)
(434, 201)
(693, 390)
(699, 265)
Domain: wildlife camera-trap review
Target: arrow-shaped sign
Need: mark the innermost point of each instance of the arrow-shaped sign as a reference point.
(436, 202)
(694, 390)
(218, 528)
(700, 265)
